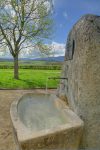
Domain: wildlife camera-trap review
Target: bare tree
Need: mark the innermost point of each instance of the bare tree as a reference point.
(23, 24)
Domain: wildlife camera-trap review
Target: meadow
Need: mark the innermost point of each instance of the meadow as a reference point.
(32, 74)
(29, 63)
(28, 79)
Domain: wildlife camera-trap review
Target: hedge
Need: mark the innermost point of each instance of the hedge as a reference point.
(43, 67)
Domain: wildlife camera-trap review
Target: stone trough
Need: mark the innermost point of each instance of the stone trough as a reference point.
(45, 122)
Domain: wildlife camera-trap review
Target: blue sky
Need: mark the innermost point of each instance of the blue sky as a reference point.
(67, 13)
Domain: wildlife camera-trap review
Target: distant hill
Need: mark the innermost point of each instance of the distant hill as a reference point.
(49, 59)
(6, 59)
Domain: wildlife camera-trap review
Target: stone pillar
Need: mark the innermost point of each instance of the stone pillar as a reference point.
(82, 68)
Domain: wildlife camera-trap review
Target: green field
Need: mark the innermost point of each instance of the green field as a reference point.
(29, 63)
(29, 79)
(38, 65)
(22, 63)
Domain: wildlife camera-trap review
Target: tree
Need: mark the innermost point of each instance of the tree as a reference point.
(23, 24)
(45, 50)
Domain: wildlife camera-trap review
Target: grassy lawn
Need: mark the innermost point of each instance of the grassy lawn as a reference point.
(29, 79)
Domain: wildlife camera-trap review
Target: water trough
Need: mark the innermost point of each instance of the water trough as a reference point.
(44, 122)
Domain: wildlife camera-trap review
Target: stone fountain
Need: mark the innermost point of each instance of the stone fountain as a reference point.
(82, 69)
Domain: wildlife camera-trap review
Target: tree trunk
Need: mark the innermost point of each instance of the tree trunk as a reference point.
(16, 74)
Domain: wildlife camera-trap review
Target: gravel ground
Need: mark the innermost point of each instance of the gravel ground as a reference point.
(6, 98)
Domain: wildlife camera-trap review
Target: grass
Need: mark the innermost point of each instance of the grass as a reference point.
(28, 63)
(22, 63)
(29, 79)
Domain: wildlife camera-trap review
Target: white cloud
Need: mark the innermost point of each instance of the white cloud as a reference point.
(49, 5)
(58, 48)
(65, 14)
(1, 53)
(59, 3)
(60, 25)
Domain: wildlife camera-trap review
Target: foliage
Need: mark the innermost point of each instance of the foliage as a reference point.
(46, 67)
(23, 23)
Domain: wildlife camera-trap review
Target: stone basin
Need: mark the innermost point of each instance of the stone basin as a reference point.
(45, 122)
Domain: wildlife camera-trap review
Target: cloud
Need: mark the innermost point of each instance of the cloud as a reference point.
(49, 5)
(59, 3)
(60, 25)
(1, 53)
(58, 48)
(65, 14)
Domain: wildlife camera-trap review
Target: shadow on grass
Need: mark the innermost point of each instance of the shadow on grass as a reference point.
(38, 84)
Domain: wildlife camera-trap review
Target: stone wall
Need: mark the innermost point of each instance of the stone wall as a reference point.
(82, 70)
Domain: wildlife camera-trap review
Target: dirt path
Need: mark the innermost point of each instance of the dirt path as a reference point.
(6, 98)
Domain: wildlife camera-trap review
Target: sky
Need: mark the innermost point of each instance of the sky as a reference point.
(66, 14)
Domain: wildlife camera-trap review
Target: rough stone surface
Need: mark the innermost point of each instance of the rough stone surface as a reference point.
(82, 68)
